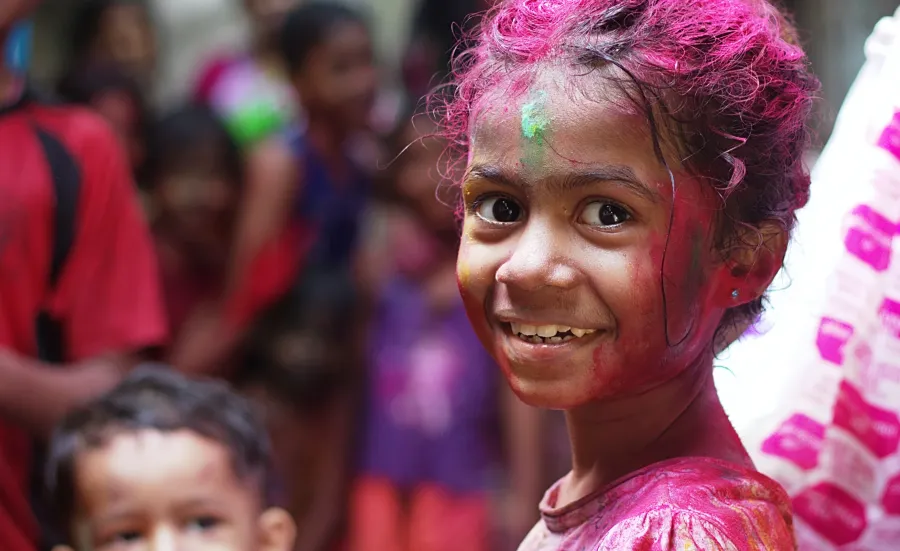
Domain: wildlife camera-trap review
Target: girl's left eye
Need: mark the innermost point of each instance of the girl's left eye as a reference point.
(203, 524)
(604, 214)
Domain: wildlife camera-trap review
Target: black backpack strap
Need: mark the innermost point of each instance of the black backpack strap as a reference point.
(65, 176)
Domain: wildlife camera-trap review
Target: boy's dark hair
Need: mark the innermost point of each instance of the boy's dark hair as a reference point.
(307, 381)
(156, 398)
(174, 140)
(308, 26)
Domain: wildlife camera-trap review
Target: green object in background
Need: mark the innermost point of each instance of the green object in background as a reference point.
(254, 123)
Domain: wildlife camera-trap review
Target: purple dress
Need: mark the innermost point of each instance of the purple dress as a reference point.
(432, 396)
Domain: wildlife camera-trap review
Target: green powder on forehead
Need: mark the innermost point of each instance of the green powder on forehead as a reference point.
(535, 121)
(535, 129)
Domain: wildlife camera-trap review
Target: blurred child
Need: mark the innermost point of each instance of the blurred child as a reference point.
(195, 180)
(298, 370)
(195, 175)
(118, 32)
(434, 398)
(165, 463)
(251, 91)
(108, 90)
(304, 181)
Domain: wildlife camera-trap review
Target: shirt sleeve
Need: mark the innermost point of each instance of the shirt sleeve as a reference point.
(682, 531)
(109, 295)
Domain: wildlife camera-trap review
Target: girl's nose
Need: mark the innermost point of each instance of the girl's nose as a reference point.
(538, 260)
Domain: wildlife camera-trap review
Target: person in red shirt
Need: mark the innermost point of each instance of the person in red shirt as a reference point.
(104, 299)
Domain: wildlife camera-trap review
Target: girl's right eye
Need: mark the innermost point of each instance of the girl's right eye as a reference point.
(203, 523)
(498, 210)
(127, 536)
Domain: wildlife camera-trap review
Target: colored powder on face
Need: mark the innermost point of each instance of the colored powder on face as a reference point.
(696, 266)
(535, 127)
(463, 273)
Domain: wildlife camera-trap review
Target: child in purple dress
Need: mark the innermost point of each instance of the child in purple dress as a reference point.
(435, 412)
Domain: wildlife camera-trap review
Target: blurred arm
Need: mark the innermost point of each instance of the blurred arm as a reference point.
(522, 426)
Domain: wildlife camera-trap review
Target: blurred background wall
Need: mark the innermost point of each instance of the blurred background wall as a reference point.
(192, 29)
(833, 32)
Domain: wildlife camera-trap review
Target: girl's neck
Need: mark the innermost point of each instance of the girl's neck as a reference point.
(681, 418)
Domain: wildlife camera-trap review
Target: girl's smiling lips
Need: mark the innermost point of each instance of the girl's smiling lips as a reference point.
(523, 349)
(531, 341)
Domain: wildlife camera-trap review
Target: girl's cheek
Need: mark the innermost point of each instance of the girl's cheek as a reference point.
(474, 277)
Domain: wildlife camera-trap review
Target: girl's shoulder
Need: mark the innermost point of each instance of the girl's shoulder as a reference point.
(704, 502)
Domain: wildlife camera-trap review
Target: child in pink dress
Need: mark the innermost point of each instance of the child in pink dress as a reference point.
(633, 171)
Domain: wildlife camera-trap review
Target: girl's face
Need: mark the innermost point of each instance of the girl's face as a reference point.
(127, 39)
(569, 214)
(199, 200)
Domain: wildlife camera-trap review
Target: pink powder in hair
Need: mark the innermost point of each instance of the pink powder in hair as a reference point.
(724, 80)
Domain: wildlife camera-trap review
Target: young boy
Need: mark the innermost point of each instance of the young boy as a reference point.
(165, 463)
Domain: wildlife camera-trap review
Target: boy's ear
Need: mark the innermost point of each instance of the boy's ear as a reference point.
(277, 530)
(755, 259)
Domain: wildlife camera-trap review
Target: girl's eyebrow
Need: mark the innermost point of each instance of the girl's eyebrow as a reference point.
(621, 175)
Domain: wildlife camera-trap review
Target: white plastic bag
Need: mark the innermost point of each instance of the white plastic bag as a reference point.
(831, 435)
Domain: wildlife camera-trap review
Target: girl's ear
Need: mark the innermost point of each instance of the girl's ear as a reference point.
(754, 259)
(277, 530)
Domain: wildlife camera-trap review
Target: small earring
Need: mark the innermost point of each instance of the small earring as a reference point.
(735, 294)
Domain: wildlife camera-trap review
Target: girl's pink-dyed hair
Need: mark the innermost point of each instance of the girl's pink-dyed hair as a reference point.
(725, 79)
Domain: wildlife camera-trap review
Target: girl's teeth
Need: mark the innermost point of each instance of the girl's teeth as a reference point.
(548, 333)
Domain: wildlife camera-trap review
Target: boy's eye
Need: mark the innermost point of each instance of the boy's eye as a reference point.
(502, 210)
(203, 523)
(602, 213)
(128, 536)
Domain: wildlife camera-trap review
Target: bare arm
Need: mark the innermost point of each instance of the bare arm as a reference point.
(36, 395)
(522, 426)
(272, 185)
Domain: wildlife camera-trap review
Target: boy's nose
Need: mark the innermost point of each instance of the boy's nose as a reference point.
(165, 539)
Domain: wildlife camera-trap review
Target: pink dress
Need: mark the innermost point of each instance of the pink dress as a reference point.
(694, 503)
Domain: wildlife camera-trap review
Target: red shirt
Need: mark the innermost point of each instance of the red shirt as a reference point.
(108, 297)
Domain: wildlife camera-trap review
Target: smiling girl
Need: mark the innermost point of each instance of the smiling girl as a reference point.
(634, 168)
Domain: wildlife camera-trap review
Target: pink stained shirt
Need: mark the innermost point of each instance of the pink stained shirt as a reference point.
(692, 503)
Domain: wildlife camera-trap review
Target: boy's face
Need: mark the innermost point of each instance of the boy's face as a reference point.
(154, 491)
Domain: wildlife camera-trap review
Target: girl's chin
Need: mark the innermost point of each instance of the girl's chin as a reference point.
(561, 394)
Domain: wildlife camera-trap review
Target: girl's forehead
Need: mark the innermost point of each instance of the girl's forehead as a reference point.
(561, 118)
